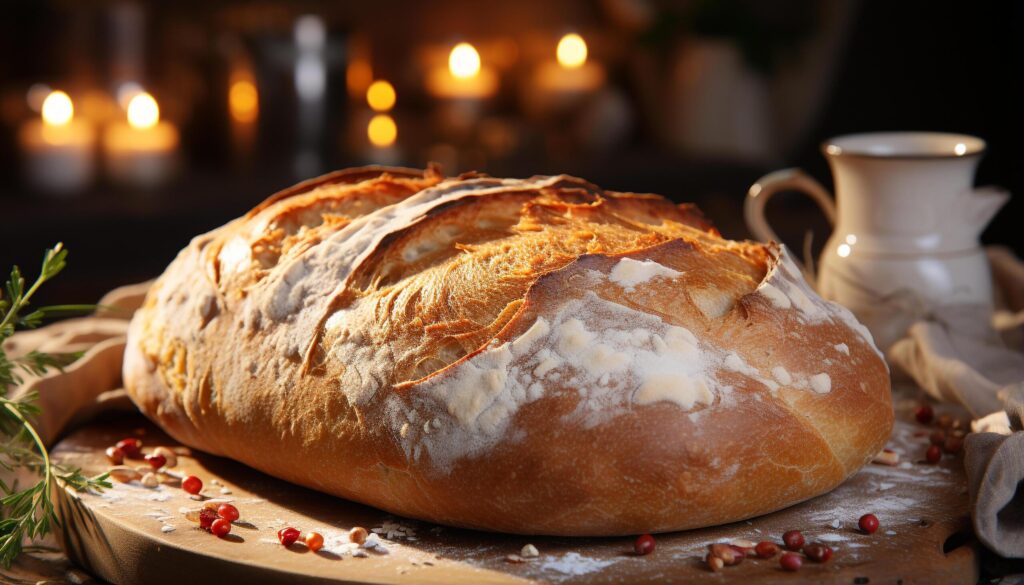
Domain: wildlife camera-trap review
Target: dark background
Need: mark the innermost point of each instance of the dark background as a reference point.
(944, 66)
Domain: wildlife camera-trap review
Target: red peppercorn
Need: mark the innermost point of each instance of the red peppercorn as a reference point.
(937, 438)
(288, 536)
(206, 518)
(644, 545)
(924, 414)
(868, 523)
(933, 454)
(818, 552)
(220, 527)
(132, 448)
(766, 550)
(228, 512)
(192, 484)
(156, 461)
(791, 561)
(793, 540)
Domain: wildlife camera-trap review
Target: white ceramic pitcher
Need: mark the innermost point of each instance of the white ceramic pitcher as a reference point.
(906, 225)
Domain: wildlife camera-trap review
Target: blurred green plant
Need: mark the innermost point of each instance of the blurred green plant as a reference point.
(28, 513)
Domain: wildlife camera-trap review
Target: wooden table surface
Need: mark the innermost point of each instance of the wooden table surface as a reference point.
(133, 534)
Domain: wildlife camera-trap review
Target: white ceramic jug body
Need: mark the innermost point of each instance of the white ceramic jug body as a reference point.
(907, 221)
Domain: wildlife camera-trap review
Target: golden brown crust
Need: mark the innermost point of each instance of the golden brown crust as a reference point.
(534, 356)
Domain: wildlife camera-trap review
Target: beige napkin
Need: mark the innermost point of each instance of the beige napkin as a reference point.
(90, 384)
(963, 354)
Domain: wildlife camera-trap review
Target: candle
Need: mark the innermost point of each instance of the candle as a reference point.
(58, 148)
(142, 150)
(464, 78)
(564, 80)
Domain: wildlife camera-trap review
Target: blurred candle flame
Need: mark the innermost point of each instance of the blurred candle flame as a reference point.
(143, 111)
(381, 96)
(382, 130)
(243, 101)
(57, 109)
(464, 61)
(572, 51)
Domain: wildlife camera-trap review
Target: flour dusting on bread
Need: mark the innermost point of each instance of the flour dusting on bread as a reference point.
(629, 272)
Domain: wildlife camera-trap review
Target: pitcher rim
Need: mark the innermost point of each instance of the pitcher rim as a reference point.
(962, 146)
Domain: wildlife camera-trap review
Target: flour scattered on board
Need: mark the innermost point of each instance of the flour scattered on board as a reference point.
(573, 563)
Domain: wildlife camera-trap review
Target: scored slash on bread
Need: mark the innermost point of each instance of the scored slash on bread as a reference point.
(534, 356)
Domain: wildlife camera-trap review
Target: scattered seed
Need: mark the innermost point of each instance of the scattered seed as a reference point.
(156, 461)
(357, 535)
(644, 545)
(150, 480)
(714, 563)
(192, 485)
(729, 555)
(529, 551)
(868, 523)
(170, 458)
(314, 541)
(220, 527)
(924, 414)
(206, 517)
(132, 448)
(767, 550)
(288, 536)
(228, 512)
(793, 540)
(115, 455)
(791, 561)
(124, 474)
(887, 457)
(818, 552)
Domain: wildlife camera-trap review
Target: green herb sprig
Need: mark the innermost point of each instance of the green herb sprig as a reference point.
(27, 514)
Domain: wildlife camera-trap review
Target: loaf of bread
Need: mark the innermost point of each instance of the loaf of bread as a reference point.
(533, 356)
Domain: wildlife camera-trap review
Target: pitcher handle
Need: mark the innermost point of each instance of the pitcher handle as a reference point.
(772, 183)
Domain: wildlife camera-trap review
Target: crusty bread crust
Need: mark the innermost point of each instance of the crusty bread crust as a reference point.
(533, 356)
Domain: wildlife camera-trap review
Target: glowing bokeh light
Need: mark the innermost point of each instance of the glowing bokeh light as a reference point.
(380, 96)
(58, 109)
(382, 130)
(464, 61)
(572, 51)
(143, 111)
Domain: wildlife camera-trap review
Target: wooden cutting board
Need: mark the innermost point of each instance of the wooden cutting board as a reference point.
(133, 534)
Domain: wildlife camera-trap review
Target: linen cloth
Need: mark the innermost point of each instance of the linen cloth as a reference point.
(965, 355)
